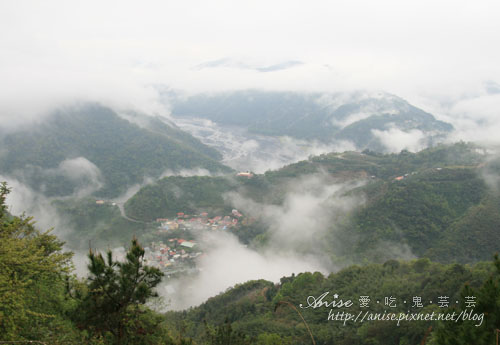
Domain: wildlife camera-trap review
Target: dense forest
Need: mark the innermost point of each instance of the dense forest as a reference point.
(261, 311)
(91, 145)
(42, 300)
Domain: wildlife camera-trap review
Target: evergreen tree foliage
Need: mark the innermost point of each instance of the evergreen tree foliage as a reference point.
(117, 292)
(487, 302)
(33, 270)
(40, 299)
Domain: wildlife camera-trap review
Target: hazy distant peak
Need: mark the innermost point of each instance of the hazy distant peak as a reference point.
(279, 66)
(492, 87)
(232, 63)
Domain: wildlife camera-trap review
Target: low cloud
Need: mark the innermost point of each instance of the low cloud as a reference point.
(246, 151)
(476, 118)
(395, 139)
(378, 103)
(55, 54)
(24, 199)
(186, 172)
(305, 232)
(84, 176)
(82, 172)
(227, 262)
(490, 172)
(259, 159)
(310, 209)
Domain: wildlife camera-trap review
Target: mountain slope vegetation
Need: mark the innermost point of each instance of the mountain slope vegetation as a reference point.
(91, 146)
(436, 202)
(261, 310)
(43, 302)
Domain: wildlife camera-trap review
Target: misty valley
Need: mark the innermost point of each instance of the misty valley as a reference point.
(248, 217)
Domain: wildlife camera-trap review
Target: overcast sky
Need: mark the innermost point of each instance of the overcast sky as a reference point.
(435, 54)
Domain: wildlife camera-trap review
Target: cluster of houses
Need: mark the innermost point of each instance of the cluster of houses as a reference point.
(176, 252)
(199, 222)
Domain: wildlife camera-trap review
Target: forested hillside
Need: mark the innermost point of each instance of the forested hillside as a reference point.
(261, 312)
(437, 202)
(41, 301)
(102, 225)
(180, 194)
(92, 147)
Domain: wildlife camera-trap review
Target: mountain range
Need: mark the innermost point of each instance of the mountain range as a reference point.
(362, 118)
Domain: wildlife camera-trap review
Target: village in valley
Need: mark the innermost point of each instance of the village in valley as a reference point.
(178, 254)
(174, 249)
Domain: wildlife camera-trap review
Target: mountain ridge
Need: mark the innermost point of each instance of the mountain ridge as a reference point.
(325, 117)
(119, 151)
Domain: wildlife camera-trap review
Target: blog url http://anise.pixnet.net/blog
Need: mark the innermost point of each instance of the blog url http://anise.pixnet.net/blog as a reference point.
(364, 315)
